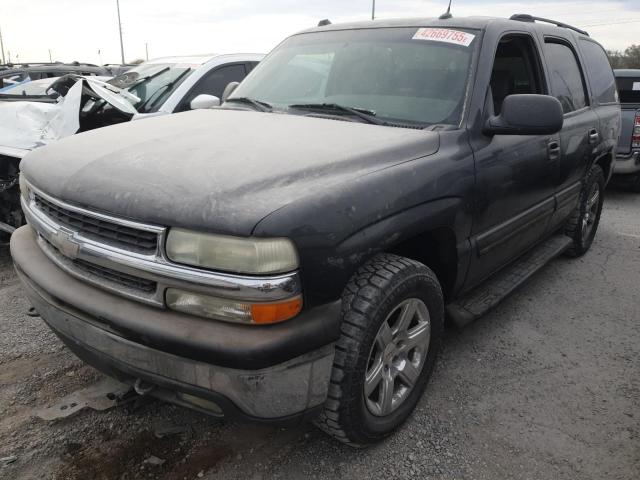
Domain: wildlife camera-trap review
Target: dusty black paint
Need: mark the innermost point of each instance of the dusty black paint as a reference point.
(343, 191)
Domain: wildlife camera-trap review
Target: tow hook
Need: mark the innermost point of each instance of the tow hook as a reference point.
(32, 312)
(142, 388)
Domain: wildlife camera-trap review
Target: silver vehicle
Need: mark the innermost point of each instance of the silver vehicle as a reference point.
(178, 84)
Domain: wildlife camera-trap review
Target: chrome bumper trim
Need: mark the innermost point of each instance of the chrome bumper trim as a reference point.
(70, 245)
(627, 163)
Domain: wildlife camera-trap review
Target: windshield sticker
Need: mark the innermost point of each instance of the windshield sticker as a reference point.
(636, 86)
(444, 35)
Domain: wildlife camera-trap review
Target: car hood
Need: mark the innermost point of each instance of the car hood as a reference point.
(216, 170)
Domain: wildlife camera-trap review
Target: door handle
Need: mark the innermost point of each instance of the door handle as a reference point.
(593, 136)
(553, 150)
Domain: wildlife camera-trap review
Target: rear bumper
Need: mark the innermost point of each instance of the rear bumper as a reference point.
(260, 374)
(627, 164)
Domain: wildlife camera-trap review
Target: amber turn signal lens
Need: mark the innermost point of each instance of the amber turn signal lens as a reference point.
(264, 313)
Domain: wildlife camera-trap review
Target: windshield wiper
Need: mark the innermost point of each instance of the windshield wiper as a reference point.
(257, 104)
(368, 116)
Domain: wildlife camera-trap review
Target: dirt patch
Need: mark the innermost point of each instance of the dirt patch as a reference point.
(115, 458)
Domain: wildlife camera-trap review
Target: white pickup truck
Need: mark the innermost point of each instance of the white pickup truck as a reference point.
(157, 87)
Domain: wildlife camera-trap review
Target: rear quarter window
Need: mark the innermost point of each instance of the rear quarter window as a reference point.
(601, 79)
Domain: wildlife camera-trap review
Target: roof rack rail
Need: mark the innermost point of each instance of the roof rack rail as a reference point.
(523, 17)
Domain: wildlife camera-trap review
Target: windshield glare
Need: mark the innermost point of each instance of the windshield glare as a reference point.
(153, 91)
(383, 70)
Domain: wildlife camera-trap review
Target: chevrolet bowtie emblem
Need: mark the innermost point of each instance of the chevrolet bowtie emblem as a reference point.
(63, 240)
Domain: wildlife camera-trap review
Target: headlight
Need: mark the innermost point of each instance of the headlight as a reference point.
(232, 254)
(24, 189)
(232, 310)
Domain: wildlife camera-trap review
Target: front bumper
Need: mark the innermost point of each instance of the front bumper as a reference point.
(271, 373)
(627, 164)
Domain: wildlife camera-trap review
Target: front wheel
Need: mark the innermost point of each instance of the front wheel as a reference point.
(584, 221)
(391, 331)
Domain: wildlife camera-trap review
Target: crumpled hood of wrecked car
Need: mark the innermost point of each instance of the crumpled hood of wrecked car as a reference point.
(216, 170)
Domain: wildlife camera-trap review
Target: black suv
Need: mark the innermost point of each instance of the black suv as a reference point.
(294, 253)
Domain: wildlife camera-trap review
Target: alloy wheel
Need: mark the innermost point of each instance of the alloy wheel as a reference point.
(397, 357)
(591, 211)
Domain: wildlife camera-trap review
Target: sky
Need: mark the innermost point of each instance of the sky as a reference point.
(80, 29)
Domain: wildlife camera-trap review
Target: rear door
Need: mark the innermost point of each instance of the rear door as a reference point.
(580, 135)
(604, 97)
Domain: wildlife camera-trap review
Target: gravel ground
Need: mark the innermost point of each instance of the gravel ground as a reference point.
(547, 386)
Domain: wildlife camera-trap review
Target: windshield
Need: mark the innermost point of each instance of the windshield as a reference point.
(403, 74)
(152, 83)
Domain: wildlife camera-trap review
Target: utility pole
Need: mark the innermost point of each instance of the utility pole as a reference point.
(120, 29)
(50, 61)
(373, 10)
(2, 47)
(146, 49)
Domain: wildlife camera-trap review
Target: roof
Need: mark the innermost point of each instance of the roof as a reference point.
(474, 23)
(627, 72)
(190, 59)
(195, 60)
(54, 68)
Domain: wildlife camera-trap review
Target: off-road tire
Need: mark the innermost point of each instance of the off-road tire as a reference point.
(573, 229)
(374, 291)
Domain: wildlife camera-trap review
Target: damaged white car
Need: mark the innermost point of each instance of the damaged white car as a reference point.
(74, 104)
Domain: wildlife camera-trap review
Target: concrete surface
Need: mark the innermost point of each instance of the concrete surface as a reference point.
(547, 386)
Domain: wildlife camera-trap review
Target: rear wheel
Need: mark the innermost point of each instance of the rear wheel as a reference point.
(583, 224)
(392, 322)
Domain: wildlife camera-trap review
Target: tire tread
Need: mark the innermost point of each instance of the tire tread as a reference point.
(360, 295)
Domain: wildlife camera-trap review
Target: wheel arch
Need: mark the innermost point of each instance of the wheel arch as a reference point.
(425, 233)
(605, 161)
(435, 248)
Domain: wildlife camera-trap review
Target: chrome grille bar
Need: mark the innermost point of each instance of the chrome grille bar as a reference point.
(128, 272)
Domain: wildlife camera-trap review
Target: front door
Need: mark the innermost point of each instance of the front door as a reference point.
(515, 175)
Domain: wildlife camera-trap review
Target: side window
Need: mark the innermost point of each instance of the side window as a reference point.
(516, 69)
(567, 82)
(214, 82)
(601, 77)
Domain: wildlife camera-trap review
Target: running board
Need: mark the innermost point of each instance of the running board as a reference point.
(486, 296)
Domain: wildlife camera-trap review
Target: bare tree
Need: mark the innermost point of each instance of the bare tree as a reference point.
(630, 58)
